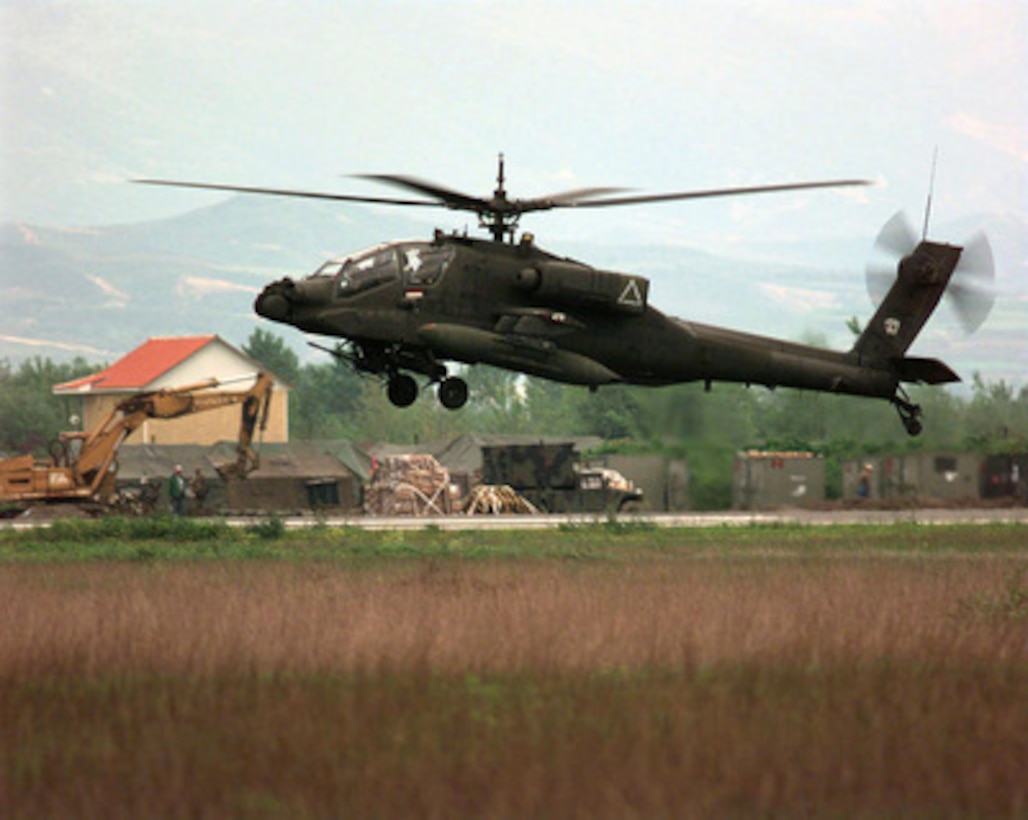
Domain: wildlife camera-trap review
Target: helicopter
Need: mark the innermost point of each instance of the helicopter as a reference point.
(406, 308)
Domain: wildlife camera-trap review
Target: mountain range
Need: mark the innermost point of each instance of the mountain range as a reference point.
(102, 291)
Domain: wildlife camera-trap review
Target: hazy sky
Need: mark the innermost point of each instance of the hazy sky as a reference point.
(655, 96)
(650, 95)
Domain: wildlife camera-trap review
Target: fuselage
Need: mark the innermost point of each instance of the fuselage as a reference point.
(521, 308)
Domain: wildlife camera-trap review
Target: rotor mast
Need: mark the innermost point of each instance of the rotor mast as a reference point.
(500, 219)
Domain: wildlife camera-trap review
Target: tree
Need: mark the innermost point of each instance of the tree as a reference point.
(327, 401)
(610, 412)
(997, 420)
(30, 414)
(792, 419)
(551, 407)
(273, 354)
(498, 401)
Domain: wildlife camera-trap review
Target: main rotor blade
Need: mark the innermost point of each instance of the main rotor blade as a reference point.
(446, 196)
(244, 189)
(713, 192)
(565, 199)
(461, 201)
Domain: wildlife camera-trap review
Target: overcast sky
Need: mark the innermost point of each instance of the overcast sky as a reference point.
(650, 95)
(654, 96)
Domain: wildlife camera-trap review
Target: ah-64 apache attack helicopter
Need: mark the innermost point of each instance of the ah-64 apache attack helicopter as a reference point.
(412, 306)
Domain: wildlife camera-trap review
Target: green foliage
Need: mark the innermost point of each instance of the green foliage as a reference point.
(710, 471)
(172, 528)
(270, 528)
(174, 538)
(326, 400)
(792, 419)
(495, 394)
(996, 418)
(550, 407)
(273, 354)
(706, 427)
(329, 401)
(611, 412)
(30, 415)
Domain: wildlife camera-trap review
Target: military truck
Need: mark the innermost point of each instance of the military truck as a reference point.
(554, 479)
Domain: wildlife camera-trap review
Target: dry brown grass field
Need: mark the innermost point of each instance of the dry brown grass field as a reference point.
(740, 679)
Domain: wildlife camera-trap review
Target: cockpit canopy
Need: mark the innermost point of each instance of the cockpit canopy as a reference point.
(416, 264)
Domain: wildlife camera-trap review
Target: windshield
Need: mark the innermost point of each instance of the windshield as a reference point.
(367, 270)
(420, 263)
(328, 270)
(424, 263)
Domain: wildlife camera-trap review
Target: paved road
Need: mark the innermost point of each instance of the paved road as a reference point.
(709, 519)
(932, 516)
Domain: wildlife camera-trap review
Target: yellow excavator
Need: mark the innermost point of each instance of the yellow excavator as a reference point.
(82, 466)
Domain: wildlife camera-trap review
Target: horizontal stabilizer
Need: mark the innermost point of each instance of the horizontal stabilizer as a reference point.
(925, 371)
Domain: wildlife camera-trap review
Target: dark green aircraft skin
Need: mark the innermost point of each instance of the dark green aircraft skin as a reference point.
(413, 306)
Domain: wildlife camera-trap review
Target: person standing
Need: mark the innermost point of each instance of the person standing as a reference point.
(198, 487)
(177, 490)
(864, 482)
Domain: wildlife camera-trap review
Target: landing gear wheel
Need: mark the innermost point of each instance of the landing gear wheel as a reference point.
(453, 393)
(402, 390)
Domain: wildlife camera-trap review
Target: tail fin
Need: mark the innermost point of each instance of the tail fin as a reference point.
(921, 279)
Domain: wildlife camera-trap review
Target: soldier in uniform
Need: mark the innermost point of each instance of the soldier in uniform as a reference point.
(198, 486)
(177, 490)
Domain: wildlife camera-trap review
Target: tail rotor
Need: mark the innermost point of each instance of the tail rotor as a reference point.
(972, 288)
(971, 293)
(895, 240)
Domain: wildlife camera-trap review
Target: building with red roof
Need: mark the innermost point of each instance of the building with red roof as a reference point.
(178, 361)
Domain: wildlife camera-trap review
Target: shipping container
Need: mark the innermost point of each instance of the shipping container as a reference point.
(766, 480)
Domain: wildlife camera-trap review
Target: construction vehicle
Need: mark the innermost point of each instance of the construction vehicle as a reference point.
(553, 479)
(83, 467)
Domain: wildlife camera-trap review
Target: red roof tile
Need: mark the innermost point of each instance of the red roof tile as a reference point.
(139, 368)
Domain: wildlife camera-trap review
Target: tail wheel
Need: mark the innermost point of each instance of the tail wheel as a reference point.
(402, 390)
(453, 393)
(913, 426)
(909, 413)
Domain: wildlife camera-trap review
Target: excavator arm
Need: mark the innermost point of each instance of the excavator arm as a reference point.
(84, 473)
(256, 406)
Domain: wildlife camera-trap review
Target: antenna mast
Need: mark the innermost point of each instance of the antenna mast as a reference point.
(931, 190)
